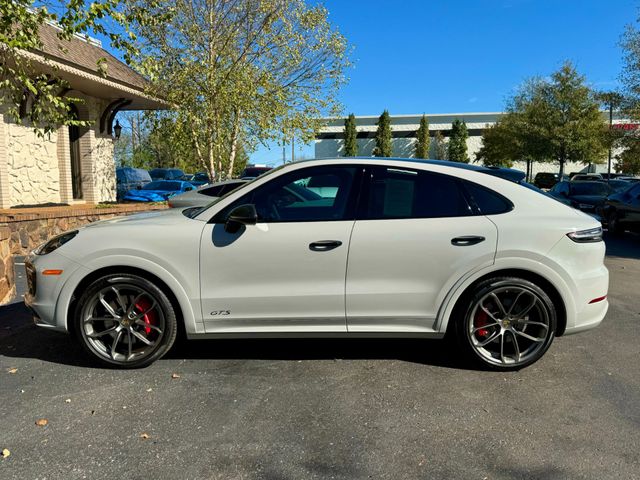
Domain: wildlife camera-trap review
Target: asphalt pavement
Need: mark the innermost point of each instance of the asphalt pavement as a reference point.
(321, 409)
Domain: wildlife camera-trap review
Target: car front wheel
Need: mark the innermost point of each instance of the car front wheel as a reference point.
(509, 323)
(125, 321)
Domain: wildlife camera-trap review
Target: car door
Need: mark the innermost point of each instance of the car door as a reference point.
(415, 236)
(630, 208)
(287, 272)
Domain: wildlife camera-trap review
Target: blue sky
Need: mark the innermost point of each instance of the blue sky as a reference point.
(441, 56)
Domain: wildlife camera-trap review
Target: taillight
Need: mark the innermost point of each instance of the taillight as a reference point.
(586, 236)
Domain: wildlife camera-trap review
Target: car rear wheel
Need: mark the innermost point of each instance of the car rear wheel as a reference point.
(509, 323)
(125, 321)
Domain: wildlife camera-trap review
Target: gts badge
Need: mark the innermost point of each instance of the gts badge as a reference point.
(220, 313)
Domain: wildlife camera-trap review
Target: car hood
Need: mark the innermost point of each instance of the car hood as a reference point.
(158, 217)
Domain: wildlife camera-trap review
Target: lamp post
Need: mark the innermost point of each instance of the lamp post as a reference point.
(611, 100)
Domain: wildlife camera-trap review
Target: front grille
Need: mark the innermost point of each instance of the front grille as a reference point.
(31, 278)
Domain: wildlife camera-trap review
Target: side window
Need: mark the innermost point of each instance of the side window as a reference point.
(216, 191)
(308, 195)
(405, 193)
(488, 201)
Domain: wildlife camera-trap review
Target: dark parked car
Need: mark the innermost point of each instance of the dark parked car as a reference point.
(199, 179)
(622, 210)
(166, 174)
(128, 178)
(547, 180)
(586, 196)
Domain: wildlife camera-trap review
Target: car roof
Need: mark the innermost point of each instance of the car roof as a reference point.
(502, 172)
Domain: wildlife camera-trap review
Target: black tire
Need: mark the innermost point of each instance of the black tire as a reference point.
(613, 223)
(470, 334)
(97, 336)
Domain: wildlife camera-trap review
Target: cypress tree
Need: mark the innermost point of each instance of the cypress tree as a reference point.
(350, 136)
(423, 140)
(458, 142)
(383, 136)
(440, 146)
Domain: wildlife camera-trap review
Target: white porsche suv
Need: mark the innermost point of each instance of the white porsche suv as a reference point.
(334, 247)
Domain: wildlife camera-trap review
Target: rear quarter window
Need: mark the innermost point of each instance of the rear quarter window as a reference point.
(487, 201)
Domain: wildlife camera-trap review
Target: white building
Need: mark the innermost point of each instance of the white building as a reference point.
(330, 141)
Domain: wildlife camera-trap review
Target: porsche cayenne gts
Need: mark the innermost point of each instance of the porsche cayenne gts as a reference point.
(335, 247)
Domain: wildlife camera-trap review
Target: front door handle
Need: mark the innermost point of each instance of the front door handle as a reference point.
(467, 240)
(324, 245)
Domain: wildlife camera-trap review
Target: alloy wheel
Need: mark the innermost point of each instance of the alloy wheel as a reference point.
(123, 323)
(509, 326)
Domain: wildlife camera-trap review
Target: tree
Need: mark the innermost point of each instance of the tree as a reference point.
(554, 120)
(496, 149)
(629, 159)
(242, 71)
(440, 146)
(458, 142)
(350, 137)
(21, 80)
(422, 139)
(384, 147)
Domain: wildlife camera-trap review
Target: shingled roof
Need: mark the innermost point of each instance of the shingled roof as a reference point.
(84, 54)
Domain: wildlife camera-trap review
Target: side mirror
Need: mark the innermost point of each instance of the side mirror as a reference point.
(188, 189)
(241, 215)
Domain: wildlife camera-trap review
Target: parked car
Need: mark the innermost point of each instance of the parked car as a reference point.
(586, 196)
(204, 195)
(158, 191)
(586, 177)
(128, 178)
(199, 179)
(547, 179)
(253, 171)
(618, 184)
(166, 174)
(433, 248)
(622, 210)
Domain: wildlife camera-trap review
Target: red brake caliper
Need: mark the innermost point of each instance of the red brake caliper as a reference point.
(479, 321)
(149, 318)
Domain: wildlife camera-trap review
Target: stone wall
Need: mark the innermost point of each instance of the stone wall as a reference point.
(7, 286)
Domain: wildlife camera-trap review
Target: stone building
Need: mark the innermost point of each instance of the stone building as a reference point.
(73, 165)
(330, 140)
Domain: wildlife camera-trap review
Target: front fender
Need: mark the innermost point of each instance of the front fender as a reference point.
(189, 304)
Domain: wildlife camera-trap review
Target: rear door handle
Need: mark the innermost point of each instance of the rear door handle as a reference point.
(324, 245)
(466, 240)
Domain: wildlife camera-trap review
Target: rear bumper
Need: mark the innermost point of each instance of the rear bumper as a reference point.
(589, 318)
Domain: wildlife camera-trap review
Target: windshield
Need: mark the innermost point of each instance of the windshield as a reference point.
(589, 188)
(162, 185)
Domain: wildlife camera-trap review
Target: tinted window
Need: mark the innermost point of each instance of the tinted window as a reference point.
(289, 199)
(589, 188)
(404, 193)
(216, 191)
(487, 201)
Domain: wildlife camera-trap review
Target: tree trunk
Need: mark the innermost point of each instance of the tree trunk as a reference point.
(233, 151)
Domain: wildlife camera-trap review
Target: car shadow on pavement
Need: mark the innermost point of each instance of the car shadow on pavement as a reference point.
(20, 338)
(626, 245)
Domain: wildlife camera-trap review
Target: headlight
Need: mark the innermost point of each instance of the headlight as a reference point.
(55, 242)
(586, 236)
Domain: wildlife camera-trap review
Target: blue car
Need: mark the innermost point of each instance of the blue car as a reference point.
(158, 191)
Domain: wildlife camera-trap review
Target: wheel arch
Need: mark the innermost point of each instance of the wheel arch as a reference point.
(550, 289)
(183, 311)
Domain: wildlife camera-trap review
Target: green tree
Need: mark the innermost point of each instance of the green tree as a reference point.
(440, 146)
(242, 71)
(350, 136)
(629, 159)
(458, 142)
(20, 76)
(384, 147)
(422, 139)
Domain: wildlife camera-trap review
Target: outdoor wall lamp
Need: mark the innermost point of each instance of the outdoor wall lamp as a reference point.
(117, 129)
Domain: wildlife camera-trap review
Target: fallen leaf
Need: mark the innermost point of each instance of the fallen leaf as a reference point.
(68, 400)
(175, 375)
(5, 453)
(12, 370)
(41, 422)
(144, 436)
(149, 389)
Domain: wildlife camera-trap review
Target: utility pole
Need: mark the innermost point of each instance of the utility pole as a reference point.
(612, 100)
(284, 145)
